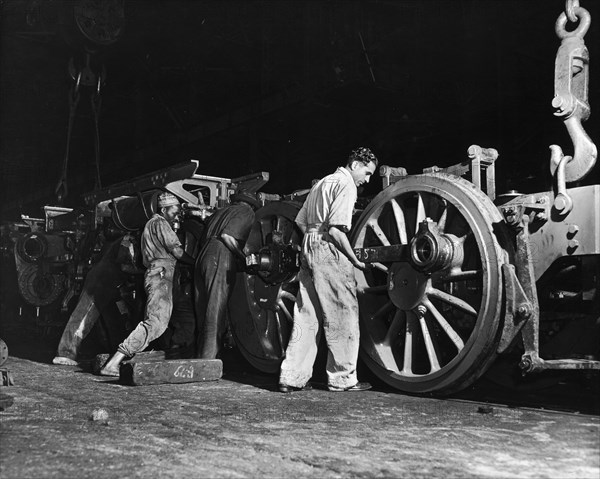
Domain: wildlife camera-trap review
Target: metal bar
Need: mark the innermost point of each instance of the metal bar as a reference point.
(156, 179)
(379, 254)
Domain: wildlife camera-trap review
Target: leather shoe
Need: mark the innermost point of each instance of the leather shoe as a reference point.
(356, 387)
(284, 388)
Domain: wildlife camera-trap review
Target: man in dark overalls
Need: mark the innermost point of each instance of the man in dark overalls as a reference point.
(226, 235)
(100, 290)
(160, 251)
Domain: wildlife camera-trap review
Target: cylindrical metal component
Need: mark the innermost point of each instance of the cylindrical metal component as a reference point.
(132, 213)
(32, 247)
(429, 250)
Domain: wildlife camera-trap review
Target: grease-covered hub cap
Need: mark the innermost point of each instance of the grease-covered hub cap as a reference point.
(406, 286)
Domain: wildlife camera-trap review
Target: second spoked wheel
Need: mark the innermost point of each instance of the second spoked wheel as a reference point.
(262, 305)
(431, 319)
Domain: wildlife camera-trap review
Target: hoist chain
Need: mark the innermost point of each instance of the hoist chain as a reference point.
(85, 76)
(570, 6)
(96, 100)
(571, 78)
(62, 189)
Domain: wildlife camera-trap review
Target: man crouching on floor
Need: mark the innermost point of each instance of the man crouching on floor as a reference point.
(160, 251)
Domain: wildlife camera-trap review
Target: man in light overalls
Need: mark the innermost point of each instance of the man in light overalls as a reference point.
(327, 296)
(160, 251)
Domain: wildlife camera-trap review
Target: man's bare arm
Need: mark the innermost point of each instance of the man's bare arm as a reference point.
(233, 245)
(182, 256)
(340, 239)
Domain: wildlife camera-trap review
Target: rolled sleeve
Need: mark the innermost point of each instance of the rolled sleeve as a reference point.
(168, 237)
(301, 218)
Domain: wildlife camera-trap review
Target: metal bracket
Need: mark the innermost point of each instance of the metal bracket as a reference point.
(481, 159)
(563, 203)
(517, 307)
(389, 175)
(530, 361)
(6, 378)
(251, 182)
(535, 207)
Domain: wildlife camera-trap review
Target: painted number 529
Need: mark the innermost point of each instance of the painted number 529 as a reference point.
(184, 372)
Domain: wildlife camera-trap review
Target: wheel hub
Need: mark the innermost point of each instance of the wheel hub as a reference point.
(406, 286)
(265, 295)
(429, 250)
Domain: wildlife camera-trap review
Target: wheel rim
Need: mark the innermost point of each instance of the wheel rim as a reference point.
(430, 322)
(261, 307)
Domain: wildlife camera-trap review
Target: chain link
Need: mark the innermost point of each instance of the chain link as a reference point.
(570, 6)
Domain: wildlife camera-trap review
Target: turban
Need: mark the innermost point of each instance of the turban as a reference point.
(167, 199)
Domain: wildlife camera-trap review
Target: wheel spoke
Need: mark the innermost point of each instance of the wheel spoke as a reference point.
(462, 275)
(263, 233)
(285, 311)
(277, 322)
(384, 310)
(408, 344)
(421, 215)
(394, 329)
(286, 295)
(452, 300)
(379, 233)
(431, 354)
(453, 335)
(380, 267)
(375, 289)
(443, 219)
(400, 221)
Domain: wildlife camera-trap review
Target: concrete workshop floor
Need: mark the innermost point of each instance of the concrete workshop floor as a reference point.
(241, 427)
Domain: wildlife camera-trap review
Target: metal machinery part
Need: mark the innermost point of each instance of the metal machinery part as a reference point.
(52, 255)
(3, 352)
(40, 288)
(42, 261)
(262, 304)
(454, 279)
(430, 307)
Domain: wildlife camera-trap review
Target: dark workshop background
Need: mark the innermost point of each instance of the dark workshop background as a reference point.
(287, 87)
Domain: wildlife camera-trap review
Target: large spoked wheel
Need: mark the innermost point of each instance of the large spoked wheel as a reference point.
(262, 305)
(431, 319)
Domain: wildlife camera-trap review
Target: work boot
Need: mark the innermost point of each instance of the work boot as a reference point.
(284, 388)
(356, 387)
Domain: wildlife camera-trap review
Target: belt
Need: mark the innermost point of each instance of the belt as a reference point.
(315, 228)
(316, 232)
(162, 262)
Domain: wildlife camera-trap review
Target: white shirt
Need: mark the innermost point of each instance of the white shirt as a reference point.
(330, 202)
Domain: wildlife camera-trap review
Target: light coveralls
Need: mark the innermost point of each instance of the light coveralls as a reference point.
(158, 243)
(326, 300)
(216, 273)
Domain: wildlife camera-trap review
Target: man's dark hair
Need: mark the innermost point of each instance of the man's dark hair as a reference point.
(363, 155)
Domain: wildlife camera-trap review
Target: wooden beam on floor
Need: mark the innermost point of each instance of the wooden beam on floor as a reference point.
(176, 371)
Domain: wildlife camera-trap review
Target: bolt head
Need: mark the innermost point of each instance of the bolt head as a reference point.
(560, 204)
(557, 101)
